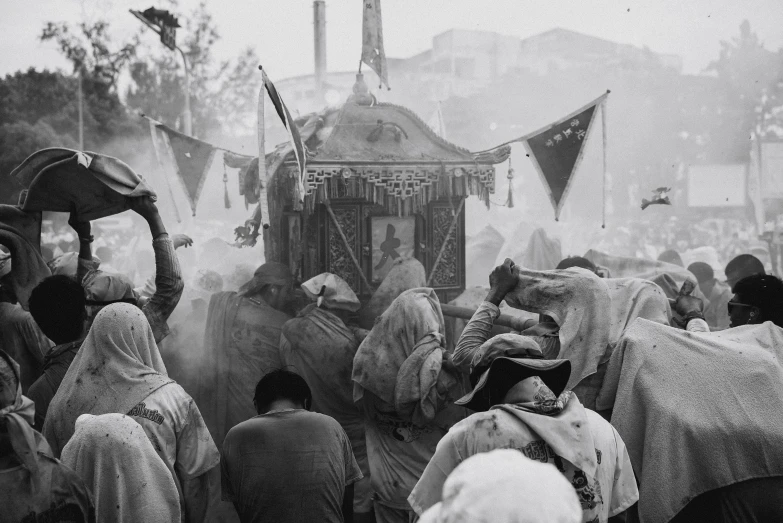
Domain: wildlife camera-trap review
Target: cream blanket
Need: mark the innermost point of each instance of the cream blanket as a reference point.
(697, 411)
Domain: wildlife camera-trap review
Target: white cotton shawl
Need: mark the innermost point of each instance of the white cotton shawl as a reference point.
(117, 367)
(503, 486)
(129, 481)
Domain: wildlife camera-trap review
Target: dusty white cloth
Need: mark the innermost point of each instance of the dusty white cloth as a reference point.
(128, 480)
(332, 292)
(592, 314)
(503, 486)
(698, 411)
(400, 360)
(580, 304)
(117, 367)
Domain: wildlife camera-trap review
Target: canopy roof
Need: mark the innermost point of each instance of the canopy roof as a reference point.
(386, 154)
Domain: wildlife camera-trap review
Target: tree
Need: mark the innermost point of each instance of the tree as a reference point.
(754, 76)
(222, 93)
(88, 49)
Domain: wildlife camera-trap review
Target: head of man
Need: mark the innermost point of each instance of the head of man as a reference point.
(741, 267)
(273, 283)
(57, 305)
(103, 288)
(704, 275)
(671, 256)
(511, 378)
(282, 389)
(757, 298)
(577, 261)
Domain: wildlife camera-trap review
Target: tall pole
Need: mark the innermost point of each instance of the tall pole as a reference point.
(81, 112)
(186, 115)
(319, 34)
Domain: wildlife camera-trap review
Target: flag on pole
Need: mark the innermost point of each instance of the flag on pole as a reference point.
(293, 132)
(754, 183)
(373, 53)
(557, 149)
(192, 159)
(437, 124)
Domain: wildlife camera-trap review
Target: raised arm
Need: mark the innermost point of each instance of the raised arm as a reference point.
(502, 280)
(168, 277)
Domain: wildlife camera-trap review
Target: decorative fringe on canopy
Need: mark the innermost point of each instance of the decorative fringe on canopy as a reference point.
(401, 190)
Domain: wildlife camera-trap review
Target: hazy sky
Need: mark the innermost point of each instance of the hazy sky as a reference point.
(281, 30)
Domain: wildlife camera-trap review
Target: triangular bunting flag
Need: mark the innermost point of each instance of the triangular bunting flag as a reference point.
(557, 149)
(192, 158)
(293, 131)
(373, 53)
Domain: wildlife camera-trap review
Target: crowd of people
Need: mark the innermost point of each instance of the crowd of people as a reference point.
(212, 391)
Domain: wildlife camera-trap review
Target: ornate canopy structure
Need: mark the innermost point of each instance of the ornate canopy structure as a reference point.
(379, 184)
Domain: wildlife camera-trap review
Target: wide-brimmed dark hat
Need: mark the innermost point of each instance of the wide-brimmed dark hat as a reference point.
(504, 372)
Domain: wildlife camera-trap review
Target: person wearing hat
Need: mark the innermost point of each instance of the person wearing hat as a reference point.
(521, 403)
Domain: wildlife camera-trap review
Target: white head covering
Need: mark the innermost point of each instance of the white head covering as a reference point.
(128, 479)
(332, 292)
(117, 367)
(503, 486)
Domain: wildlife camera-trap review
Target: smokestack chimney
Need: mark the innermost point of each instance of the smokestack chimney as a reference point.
(319, 19)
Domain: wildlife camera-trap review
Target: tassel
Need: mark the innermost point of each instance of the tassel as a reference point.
(510, 176)
(226, 200)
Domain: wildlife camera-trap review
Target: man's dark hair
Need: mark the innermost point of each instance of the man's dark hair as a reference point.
(281, 384)
(576, 261)
(702, 271)
(57, 306)
(765, 292)
(671, 256)
(745, 265)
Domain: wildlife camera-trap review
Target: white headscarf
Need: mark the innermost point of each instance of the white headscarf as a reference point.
(128, 479)
(503, 486)
(117, 367)
(19, 416)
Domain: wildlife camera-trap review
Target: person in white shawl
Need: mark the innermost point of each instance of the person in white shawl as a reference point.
(503, 486)
(119, 370)
(35, 486)
(129, 481)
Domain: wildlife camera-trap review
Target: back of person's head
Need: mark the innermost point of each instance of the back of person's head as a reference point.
(702, 271)
(671, 256)
(765, 292)
(504, 486)
(741, 267)
(282, 384)
(576, 261)
(57, 305)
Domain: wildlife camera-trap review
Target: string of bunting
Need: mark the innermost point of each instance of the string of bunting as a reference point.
(556, 151)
